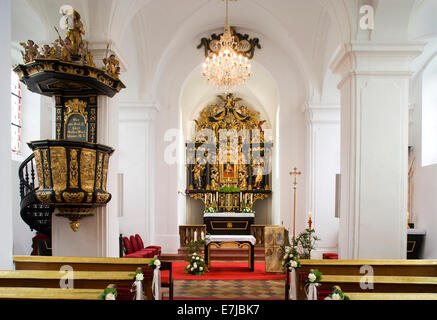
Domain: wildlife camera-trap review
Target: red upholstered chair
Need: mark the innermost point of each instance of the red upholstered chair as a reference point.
(156, 249)
(147, 253)
(128, 249)
(330, 256)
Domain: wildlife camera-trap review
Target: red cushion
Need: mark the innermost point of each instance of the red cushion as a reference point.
(124, 293)
(139, 240)
(135, 244)
(157, 248)
(147, 253)
(128, 245)
(135, 255)
(155, 251)
(333, 256)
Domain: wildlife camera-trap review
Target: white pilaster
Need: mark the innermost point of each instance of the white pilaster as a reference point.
(6, 225)
(137, 155)
(323, 130)
(374, 148)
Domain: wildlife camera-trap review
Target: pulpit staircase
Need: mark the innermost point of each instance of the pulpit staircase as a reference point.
(38, 216)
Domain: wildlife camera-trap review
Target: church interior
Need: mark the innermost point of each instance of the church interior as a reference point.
(286, 144)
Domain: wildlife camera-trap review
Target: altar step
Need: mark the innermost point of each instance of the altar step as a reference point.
(223, 254)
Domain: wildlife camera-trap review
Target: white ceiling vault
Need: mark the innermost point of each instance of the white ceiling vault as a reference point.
(158, 38)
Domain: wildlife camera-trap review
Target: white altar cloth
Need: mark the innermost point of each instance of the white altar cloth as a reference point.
(222, 238)
(229, 215)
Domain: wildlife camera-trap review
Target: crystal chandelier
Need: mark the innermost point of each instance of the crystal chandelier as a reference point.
(226, 69)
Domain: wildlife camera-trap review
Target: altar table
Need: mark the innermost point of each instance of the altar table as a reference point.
(231, 241)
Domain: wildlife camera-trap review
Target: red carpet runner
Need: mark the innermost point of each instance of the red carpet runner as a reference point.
(227, 271)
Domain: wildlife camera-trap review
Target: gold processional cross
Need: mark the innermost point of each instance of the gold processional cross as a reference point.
(294, 173)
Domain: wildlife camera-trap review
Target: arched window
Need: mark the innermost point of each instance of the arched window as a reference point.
(15, 113)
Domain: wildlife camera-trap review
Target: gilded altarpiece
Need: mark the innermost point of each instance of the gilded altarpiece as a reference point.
(229, 164)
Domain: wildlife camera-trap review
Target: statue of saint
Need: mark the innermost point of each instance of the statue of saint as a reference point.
(30, 51)
(75, 32)
(259, 172)
(197, 175)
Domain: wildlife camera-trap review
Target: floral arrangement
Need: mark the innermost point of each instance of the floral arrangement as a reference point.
(290, 257)
(138, 275)
(210, 210)
(229, 189)
(315, 276)
(196, 265)
(108, 294)
(248, 210)
(154, 263)
(306, 242)
(337, 294)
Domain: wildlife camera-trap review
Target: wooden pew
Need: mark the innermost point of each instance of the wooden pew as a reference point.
(391, 296)
(413, 268)
(52, 279)
(50, 293)
(390, 276)
(117, 269)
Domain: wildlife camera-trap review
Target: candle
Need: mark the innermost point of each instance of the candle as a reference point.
(205, 198)
(241, 197)
(310, 215)
(202, 236)
(195, 235)
(210, 197)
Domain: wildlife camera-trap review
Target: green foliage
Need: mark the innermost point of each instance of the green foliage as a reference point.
(337, 294)
(210, 210)
(306, 242)
(194, 247)
(229, 189)
(108, 291)
(134, 275)
(316, 278)
(196, 266)
(154, 262)
(290, 257)
(248, 210)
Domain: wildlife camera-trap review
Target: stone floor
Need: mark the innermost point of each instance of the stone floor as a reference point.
(229, 289)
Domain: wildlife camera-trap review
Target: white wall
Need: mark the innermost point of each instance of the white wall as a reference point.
(6, 226)
(424, 202)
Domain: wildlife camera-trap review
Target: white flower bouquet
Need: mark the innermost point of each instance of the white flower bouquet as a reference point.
(196, 265)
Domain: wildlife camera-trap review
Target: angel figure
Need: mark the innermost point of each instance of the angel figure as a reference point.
(86, 56)
(112, 66)
(30, 51)
(66, 49)
(48, 52)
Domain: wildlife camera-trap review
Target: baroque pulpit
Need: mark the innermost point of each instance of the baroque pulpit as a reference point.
(69, 173)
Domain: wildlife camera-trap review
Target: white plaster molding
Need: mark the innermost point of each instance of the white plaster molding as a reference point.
(375, 59)
(138, 111)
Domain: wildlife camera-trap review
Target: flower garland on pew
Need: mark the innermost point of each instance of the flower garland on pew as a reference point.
(312, 282)
(108, 294)
(291, 260)
(156, 282)
(137, 286)
(337, 294)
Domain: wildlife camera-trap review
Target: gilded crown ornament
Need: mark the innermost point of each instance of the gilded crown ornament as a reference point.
(227, 68)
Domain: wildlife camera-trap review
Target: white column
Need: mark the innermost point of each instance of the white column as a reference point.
(323, 130)
(137, 155)
(374, 148)
(6, 226)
